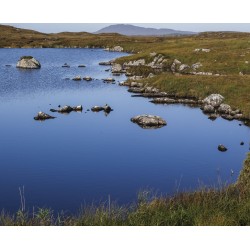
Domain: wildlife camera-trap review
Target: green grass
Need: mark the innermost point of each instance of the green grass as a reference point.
(226, 205)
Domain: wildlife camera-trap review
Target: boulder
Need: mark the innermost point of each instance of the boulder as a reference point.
(87, 78)
(222, 148)
(77, 78)
(116, 68)
(214, 99)
(208, 109)
(97, 108)
(224, 109)
(43, 116)
(149, 121)
(28, 62)
(136, 84)
(67, 109)
(109, 80)
(183, 67)
(105, 63)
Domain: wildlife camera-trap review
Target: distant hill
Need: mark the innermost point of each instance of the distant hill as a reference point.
(132, 30)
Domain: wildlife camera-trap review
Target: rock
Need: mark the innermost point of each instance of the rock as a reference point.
(167, 100)
(136, 90)
(150, 75)
(87, 78)
(66, 65)
(81, 66)
(7, 65)
(213, 117)
(105, 63)
(202, 50)
(97, 108)
(135, 78)
(124, 84)
(43, 116)
(222, 148)
(241, 74)
(208, 109)
(151, 90)
(224, 109)
(242, 143)
(149, 121)
(109, 80)
(136, 84)
(152, 54)
(67, 109)
(77, 78)
(116, 49)
(238, 116)
(28, 62)
(135, 63)
(107, 108)
(214, 99)
(117, 68)
(227, 117)
(196, 65)
(183, 67)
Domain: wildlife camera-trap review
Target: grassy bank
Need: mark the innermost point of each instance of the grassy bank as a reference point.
(228, 205)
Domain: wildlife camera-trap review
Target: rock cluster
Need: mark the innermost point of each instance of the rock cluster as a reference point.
(67, 109)
(106, 108)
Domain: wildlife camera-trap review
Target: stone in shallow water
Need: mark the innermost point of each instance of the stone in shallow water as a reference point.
(43, 116)
(149, 121)
(222, 148)
(28, 62)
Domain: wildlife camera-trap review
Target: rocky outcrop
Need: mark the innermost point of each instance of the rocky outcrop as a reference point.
(202, 50)
(135, 63)
(105, 63)
(28, 62)
(67, 109)
(43, 116)
(115, 49)
(149, 121)
(214, 100)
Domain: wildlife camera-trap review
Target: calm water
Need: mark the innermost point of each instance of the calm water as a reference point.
(84, 157)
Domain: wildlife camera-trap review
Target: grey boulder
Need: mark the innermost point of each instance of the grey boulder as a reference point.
(149, 121)
(28, 62)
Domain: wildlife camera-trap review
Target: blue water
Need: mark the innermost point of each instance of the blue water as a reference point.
(82, 158)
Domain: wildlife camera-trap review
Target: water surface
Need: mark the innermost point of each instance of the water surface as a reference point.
(84, 157)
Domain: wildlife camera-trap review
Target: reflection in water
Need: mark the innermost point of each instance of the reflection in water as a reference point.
(86, 156)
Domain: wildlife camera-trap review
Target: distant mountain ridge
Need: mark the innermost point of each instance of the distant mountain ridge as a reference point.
(132, 30)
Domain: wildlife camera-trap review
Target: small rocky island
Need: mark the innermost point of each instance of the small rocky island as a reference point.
(28, 62)
(149, 121)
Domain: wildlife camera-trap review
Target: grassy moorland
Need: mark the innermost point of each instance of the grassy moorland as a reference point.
(229, 55)
(228, 205)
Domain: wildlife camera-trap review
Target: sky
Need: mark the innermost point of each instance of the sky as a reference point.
(92, 27)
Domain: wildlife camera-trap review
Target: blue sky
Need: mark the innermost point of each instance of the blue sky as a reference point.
(92, 27)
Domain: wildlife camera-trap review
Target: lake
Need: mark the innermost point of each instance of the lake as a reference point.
(85, 157)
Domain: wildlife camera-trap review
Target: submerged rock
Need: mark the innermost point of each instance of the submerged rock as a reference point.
(67, 109)
(43, 116)
(81, 66)
(28, 62)
(149, 121)
(66, 65)
(222, 148)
